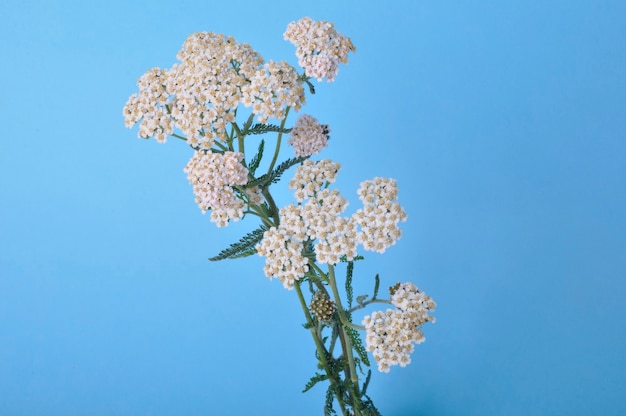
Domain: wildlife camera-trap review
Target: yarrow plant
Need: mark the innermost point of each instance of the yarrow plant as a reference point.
(219, 98)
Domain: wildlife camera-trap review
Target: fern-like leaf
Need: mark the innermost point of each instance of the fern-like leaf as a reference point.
(256, 160)
(376, 286)
(261, 128)
(328, 406)
(242, 248)
(349, 294)
(357, 344)
(366, 383)
(314, 380)
(274, 176)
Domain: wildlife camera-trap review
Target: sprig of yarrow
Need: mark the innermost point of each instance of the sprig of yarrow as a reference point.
(197, 100)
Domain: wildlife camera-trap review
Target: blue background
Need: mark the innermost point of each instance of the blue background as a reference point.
(503, 121)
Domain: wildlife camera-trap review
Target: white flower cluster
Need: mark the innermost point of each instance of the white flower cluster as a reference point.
(273, 87)
(149, 106)
(311, 176)
(320, 219)
(380, 214)
(308, 136)
(317, 218)
(199, 95)
(212, 176)
(283, 257)
(391, 335)
(319, 47)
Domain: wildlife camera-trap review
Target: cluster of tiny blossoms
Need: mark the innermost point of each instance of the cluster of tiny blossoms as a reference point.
(380, 214)
(308, 136)
(273, 87)
(283, 246)
(317, 218)
(212, 176)
(391, 335)
(311, 176)
(319, 47)
(199, 94)
(149, 106)
(283, 257)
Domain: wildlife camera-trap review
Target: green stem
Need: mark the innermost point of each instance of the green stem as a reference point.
(321, 350)
(344, 321)
(280, 136)
(179, 137)
(319, 271)
(367, 302)
(273, 207)
(247, 124)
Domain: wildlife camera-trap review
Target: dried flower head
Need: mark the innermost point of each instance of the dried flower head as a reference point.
(322, 307)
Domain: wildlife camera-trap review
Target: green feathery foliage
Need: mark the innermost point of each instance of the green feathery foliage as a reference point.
(274, 176)
(370, 409)
(256, 160)
(242, 248)
(357, 344)
(311, 324)
(344, 259)
(349, 293)
(328, 406)
(260, 128)
(376, 286)
(314, 380)
(366, 383)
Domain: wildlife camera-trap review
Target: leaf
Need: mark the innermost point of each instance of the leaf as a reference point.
(274, 176)
(357, 344)
(256, 160)
(366, 383)
(349, 294)
(328, 406)
(376, 286)
(261, 128)
(314, 380)
(311, 86)
(244, 247)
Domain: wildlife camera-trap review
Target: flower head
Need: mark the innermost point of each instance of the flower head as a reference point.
(283, 257)
(311, 176)
(199, 95)
(212, 176)
(308, 136)
(380, 214)
(319, 47)
(149, 106)
(273, 87)
(391, 335)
